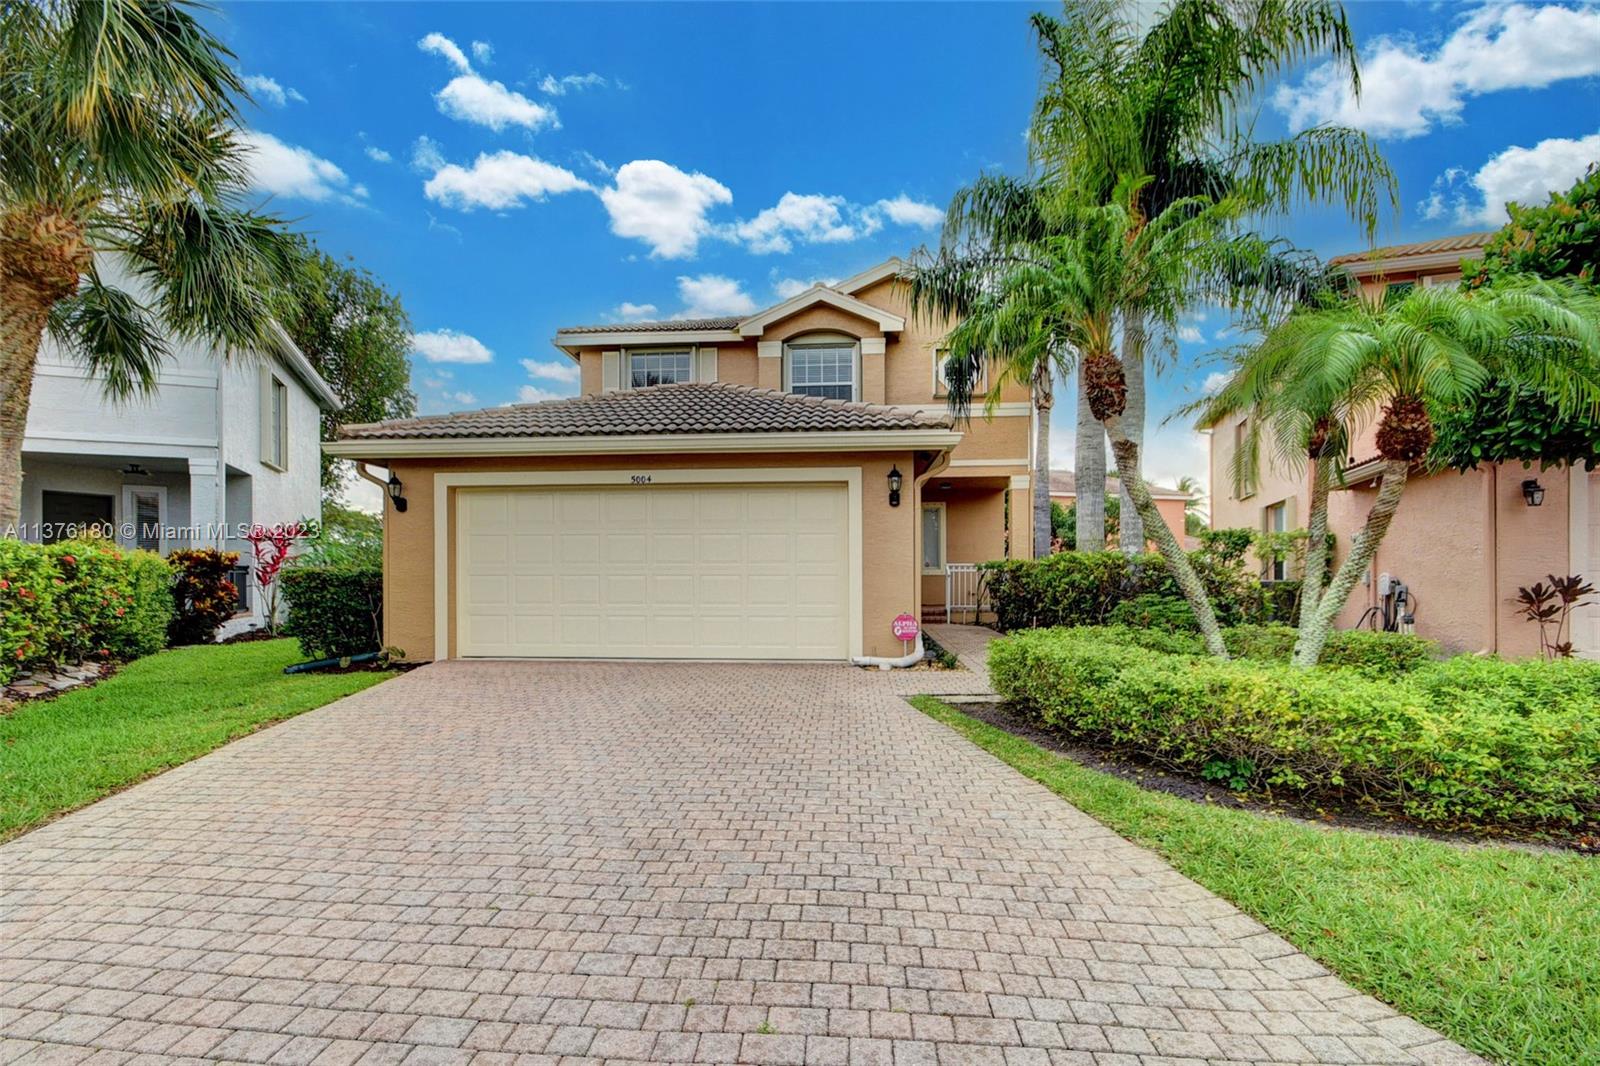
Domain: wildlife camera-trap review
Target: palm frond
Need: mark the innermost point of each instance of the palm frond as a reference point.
(113, 333)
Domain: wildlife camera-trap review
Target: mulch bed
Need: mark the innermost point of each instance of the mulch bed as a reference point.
(248, 636)
(1157, 779)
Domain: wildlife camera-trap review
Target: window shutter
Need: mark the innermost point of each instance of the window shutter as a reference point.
(610, 371)
(707, 370)
(265, 413)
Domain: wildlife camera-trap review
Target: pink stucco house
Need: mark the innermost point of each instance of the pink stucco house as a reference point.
(1461, 543)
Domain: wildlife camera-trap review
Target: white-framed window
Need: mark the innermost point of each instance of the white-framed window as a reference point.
(660, 367)
(274, 421)
(933, 538)
(827, 368)
(144, 513)
(941, 384)
(1276, 519)
(1241, 432)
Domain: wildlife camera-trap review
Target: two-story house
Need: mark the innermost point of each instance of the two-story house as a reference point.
(780, 485)
(220, 444)
(1461, 544)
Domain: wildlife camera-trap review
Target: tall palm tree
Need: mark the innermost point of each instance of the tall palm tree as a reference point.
(1322, 374)
(1172, 98)
(1056, 302)
(117, 140)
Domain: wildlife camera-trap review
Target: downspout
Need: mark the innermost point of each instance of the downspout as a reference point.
(1493, 517)
(919, 651)
(383, 486)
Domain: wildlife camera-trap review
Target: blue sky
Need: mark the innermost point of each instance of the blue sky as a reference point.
(509, 169)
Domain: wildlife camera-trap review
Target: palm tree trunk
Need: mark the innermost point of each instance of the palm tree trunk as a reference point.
(23, 313)
(1090, 461)
(1131, 528)
(1178, 564)
(1316, 540)
(1315, 627)
(1043, 402)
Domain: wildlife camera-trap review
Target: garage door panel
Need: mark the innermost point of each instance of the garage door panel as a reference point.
(654, 571)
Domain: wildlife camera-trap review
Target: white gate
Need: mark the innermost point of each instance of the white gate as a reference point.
(963, 589)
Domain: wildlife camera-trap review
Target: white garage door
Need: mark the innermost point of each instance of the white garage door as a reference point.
(690, 572)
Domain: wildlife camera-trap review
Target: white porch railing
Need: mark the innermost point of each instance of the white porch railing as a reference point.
(963, 590)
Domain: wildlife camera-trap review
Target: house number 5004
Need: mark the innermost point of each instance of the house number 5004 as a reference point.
(641, 479)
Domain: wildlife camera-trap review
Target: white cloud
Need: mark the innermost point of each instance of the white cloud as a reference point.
(784, 288)
(426, 155)
(264, 88)
(472, 98)
(534, 394)
(463, 398)
(378, 155)
(663, 206)
(483, 52)
(439, 44)
(448, 346)
(288, 170)
(554, 86)
(1405, 90)
(807, 218)
(1524, 176)
(632, 312)
(1435, 206)
(712, 295)
(904, 211)
(554, 370)
(1214, 382)
(498, 181)
(1190, 334)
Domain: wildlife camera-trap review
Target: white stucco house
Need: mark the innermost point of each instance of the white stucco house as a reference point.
(220, 444)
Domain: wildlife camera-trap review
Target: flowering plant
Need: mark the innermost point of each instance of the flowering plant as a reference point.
(272, 547)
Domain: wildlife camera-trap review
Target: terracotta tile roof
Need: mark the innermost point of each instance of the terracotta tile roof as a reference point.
(1065, 483)
(688, 408)
(1460, 242)
(670, 326)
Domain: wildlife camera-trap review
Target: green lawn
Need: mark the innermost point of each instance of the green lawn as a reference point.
(1495, 947)
(160, 711)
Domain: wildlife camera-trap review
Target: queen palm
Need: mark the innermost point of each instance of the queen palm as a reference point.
(1322, 374)
(1171, 98)
(117, 145)
(1055, 303)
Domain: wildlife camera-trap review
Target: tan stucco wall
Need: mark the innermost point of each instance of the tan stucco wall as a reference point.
(891, 567)
(1464, 544)
(975, 528)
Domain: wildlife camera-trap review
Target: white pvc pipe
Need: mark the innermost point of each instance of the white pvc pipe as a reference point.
(893, 664)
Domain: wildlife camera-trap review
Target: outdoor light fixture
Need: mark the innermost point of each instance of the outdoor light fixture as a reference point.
(894, 486)
(394, 493)
(1533, 492)
(135, 470)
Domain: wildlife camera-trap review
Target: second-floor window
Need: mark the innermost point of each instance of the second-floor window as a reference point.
(275, 422)
(659, 368)
(826, 369)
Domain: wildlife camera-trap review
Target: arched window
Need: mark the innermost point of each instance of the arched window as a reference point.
(823, 364)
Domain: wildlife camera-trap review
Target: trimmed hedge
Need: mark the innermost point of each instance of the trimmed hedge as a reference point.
(1378, 654)
(334, 611)
(79, 599)
(1462, 741)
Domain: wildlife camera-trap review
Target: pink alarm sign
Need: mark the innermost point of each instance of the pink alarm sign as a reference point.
(905, 627)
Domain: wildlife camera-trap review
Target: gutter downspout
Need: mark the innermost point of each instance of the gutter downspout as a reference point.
(917, 653)
(1494, 558)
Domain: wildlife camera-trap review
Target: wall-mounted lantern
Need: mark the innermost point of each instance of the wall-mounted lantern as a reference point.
(1533, 492)
(394, 493)
(894, 486)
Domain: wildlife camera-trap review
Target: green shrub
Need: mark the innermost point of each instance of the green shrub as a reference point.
(202, 596)
(78, 599)
(1152, 611)
(1382, 654)
(1448, 743)
(334, 611)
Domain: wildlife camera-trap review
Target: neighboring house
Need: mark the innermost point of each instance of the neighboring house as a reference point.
(220, 444)
(780, 485)
(1172, 503)
(1461, 543)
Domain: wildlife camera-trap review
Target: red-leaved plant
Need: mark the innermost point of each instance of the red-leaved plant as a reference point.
(1551, 606)
(272, 546)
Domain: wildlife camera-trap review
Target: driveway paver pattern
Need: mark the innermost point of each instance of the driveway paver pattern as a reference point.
(497, 862)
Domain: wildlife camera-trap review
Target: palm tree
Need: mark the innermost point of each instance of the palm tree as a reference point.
(1171, 99)
(1055, 302)
(1322, 374)
(1194, 508)
(117, 143)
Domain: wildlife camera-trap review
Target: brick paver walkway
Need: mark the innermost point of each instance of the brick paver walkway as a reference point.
(568, 863)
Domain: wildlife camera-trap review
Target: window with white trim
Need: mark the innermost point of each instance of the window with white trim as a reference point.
(1276, 519)
(274, 422)
(823, 368)
(660, 368)
(941, 382)
(933, 538)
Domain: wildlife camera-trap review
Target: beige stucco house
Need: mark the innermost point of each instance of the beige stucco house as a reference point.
(1461, 543)
(780, 485)
(1172, 503)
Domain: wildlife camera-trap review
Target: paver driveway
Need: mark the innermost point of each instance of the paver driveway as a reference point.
(505, 862)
